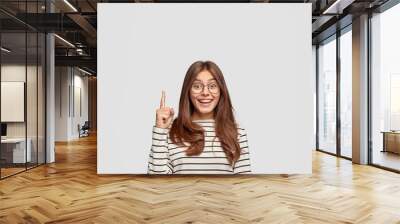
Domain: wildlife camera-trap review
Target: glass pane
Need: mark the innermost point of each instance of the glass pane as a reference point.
(13, 88)
(327, 96)
(314, 66)
(23, 89)
(386, 89)
(31, 86)
(346, 93)
(41, 98)
(32, 95)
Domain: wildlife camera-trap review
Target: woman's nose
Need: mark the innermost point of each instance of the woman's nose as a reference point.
(205, 91)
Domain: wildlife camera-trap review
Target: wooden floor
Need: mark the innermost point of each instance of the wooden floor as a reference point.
(70, 191)
(9, 171)
(5, 172)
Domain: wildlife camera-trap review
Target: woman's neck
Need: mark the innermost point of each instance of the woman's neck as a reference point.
(198, 116)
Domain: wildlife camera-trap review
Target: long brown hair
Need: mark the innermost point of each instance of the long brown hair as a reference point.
(184, 130)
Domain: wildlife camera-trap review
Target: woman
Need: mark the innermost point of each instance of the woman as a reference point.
(204, 138)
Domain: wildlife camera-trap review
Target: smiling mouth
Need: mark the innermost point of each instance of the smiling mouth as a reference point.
(205, 102)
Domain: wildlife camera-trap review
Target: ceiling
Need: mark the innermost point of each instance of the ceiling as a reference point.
(76, 22)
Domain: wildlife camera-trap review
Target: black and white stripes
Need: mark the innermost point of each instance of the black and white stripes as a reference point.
(168, 158)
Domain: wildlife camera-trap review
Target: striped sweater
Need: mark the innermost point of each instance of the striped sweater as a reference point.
(168, 158)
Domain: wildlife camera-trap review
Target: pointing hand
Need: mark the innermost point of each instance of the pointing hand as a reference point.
(164, 115)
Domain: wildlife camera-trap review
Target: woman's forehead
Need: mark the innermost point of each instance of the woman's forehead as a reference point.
(204, 75)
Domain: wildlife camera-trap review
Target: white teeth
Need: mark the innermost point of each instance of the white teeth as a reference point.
(204, 101)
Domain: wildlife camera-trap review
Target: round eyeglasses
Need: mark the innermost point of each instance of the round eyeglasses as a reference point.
(199, 87)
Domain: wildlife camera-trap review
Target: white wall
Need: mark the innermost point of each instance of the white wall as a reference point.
(265, 58)
(68, 82)
(62, 78)
(80, 83)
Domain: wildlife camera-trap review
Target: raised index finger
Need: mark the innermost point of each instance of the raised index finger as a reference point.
(162, 102)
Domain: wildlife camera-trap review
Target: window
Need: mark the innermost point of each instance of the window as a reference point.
(22, 76)
(327, 96)
(346, 93)
(385, 89)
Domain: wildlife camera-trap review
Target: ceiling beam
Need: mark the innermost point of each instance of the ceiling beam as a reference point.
(86, 26)
(85, 61)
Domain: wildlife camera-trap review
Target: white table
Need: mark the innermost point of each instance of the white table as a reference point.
(19, 149)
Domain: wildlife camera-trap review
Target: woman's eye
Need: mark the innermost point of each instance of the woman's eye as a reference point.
(196, 86)
(213, 86)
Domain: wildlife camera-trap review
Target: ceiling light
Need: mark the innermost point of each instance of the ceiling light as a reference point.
(64, 40)
(70, 5)
(5, 50)
(79, 51)
(84, 71)
(331, 7)
(338, 6)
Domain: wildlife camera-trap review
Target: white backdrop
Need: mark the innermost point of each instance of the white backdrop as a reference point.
(264, 51)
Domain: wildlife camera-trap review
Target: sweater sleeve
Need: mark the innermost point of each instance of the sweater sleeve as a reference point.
(159, 162)
(243, 164)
